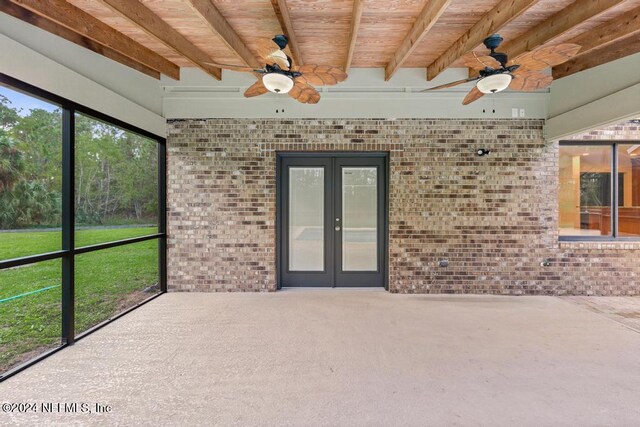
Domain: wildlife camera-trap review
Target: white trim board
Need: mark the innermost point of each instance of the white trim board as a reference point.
(364, 95)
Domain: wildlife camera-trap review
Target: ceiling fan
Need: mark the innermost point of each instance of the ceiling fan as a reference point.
(279, 75)
(497, 73)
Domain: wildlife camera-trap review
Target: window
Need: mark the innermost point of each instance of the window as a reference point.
(82, 221)
(599, 194)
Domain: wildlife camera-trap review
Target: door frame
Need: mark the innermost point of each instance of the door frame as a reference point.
(280, 155)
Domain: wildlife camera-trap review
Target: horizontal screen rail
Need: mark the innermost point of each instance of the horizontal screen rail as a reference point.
(31, 259)
(16, 262)
(97, 247)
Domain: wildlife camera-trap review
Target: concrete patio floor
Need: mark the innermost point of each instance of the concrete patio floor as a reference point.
(340, 357)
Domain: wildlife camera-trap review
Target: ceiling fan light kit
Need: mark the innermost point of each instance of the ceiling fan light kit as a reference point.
(279, 75)
(494, 83)
(277, 83)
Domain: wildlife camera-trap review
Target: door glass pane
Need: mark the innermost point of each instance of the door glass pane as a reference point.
(629, 190)
(306, 219)
(360, 219)
(585, 191)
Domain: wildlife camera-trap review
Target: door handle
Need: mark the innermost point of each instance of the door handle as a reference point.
(337, 228)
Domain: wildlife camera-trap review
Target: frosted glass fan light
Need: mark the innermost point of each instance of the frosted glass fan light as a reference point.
(494, 83)
(277, 83)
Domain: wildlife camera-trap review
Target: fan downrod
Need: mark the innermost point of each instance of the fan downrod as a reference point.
(492, 42)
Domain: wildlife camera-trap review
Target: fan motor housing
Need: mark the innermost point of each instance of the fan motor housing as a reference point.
(500, 57)
(276, 69)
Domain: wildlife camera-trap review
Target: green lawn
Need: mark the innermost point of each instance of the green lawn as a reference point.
(19, 244)
(107, 282)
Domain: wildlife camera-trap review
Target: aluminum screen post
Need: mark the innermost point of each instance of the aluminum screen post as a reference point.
(68, 225)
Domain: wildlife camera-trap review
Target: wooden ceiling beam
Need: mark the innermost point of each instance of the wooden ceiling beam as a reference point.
(218, 23)
(619, 49)
(60, 31)
(140, 15)
(356, 17)
(282, 13)
(628, 24)
(558, 24)
(78, 21)
(503, 13)
(425, 21)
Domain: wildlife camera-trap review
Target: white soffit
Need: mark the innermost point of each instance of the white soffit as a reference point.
(595, 98)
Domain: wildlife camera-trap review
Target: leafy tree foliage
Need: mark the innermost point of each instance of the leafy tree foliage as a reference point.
(116, 174)
(27, 204)
(8, 116)
(116, 171)
(11, 162)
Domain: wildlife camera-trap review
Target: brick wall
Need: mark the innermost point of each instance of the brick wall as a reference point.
(494, 218)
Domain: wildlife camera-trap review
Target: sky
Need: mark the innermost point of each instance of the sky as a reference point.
(25, 102)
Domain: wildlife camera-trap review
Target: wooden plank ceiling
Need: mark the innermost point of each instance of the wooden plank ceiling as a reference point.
(160, 36)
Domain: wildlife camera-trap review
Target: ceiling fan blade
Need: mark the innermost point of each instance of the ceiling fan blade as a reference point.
(480, 62)
(320, 75)
(473, 95)
(451, 84)
(546, 56)
(256, 89)
(529, 80)
(271, 53)
(266, 47)
(281, 59)
(304, 93)
(231, 67)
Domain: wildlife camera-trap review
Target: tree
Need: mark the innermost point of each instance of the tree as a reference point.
(26, 198)
(8, 115)
(116, 174)
(29, 204)
(39, 137)
(137, 184)
(11, 163)
(11, 158)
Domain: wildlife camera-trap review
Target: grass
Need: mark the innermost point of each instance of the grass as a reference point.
(106, 282)
(24, 243)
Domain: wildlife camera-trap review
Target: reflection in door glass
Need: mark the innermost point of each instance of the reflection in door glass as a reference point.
(306, 219)
(359, 216)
